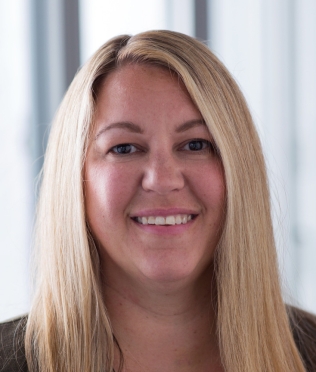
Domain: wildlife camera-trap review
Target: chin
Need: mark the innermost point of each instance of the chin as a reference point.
(170, 274)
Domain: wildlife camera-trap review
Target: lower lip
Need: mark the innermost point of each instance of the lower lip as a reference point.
(166, 229)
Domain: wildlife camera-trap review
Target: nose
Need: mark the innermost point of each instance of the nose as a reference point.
(163, 174)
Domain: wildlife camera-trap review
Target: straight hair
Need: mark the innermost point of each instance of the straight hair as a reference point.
(68, 327)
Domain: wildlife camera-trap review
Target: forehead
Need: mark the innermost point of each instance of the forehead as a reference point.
(144, 93)
(141, 76)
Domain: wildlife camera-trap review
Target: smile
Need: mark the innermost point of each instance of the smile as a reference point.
(179, 219)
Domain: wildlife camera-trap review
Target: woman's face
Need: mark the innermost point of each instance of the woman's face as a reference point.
(154, 186)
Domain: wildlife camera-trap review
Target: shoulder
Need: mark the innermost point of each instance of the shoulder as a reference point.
(303, 325)
(12, 354)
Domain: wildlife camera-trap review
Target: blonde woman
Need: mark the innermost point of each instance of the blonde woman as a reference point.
(155, 248)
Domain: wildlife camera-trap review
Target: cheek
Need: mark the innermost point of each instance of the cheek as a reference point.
(108, 190)
(211, 185)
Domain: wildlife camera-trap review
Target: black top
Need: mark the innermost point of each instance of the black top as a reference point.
(12, 352)
(303, 326)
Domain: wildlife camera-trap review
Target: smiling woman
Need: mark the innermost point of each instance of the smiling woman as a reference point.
(155, 247)
(149, 165)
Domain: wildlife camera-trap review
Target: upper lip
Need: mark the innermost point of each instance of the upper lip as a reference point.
(162, 212)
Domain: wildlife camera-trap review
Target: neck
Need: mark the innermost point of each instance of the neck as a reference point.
(165, 326)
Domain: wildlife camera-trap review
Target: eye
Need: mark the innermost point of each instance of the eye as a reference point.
(197, 145)
(123, 149)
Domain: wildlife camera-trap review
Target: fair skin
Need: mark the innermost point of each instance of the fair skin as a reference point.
(155, 196)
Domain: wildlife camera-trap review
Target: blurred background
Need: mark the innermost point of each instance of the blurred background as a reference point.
(268, 45)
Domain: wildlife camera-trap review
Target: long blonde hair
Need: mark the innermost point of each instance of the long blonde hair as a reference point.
(68, 326)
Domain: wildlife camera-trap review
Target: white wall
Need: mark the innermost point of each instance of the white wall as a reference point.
(305, 103)
(16, 188)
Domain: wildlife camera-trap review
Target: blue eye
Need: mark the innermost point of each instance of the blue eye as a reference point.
(198, 145)
(123, 149)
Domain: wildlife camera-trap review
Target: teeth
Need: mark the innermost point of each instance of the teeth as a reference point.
(160, 221)
(169, 220)
(151, 220)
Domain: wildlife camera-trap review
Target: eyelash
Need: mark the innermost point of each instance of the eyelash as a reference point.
(206, 145)
(112, 150)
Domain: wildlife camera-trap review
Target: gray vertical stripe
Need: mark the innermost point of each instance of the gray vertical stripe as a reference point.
(72, 39)
(40, 69)
(201, 19)
(63, 24)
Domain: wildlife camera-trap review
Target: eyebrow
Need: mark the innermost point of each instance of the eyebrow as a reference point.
(131, 127)
(134, 128)
(190, 124)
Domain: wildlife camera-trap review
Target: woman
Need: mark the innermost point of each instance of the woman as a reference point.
(155, 247)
